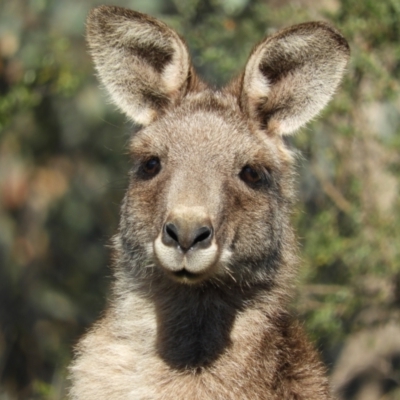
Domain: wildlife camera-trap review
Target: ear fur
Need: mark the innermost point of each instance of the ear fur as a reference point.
(143, 64)
(291, 76)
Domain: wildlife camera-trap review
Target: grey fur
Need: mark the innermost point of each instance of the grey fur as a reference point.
(206, 320)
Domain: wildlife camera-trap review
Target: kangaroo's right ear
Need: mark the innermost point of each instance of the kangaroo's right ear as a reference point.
(291, 76)
(144, 65)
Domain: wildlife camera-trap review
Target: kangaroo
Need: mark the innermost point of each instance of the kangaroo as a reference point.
(205, 254)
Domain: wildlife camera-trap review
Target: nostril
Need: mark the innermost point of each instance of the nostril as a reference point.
(184, 234)
(202, 234)
(172, 231)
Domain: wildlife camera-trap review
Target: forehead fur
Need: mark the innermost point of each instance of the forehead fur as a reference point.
(210, 125)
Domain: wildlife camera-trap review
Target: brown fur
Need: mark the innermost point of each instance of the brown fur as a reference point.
(203, 315)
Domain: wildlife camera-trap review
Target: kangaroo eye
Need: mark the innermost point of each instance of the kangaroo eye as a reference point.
(151, 167)
(256, 177)
(250, 175)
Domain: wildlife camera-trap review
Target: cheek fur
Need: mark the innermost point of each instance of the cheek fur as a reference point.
(254, 225)
(145, 209)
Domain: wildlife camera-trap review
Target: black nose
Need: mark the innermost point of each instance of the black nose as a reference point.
(187, 234)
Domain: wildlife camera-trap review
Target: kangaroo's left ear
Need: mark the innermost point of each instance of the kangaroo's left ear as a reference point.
(144, 64)
(291, 76)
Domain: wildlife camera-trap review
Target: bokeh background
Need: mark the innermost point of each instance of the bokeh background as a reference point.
(63, 170)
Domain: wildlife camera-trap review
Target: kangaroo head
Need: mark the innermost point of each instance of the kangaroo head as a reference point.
(211, 179)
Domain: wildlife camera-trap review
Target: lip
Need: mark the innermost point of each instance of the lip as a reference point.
(185, 276)
(184, 273)
(191, 266)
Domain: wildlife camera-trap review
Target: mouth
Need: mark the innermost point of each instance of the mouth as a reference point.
(184, 275)
(191, 266)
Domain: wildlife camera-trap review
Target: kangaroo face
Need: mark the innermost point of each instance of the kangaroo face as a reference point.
(206, 190)
(211, 178)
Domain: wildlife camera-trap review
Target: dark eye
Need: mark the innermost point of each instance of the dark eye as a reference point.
(250, 175)
(254, 177)
(151, 167)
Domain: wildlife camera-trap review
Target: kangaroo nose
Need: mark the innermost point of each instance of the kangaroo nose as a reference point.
(187, 232)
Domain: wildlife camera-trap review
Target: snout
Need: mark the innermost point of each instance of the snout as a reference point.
(186, 246)
(185, 233)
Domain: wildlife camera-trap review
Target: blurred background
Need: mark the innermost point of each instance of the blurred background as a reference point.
(63, 170)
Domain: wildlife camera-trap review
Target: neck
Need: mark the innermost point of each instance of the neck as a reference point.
(194, 323)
